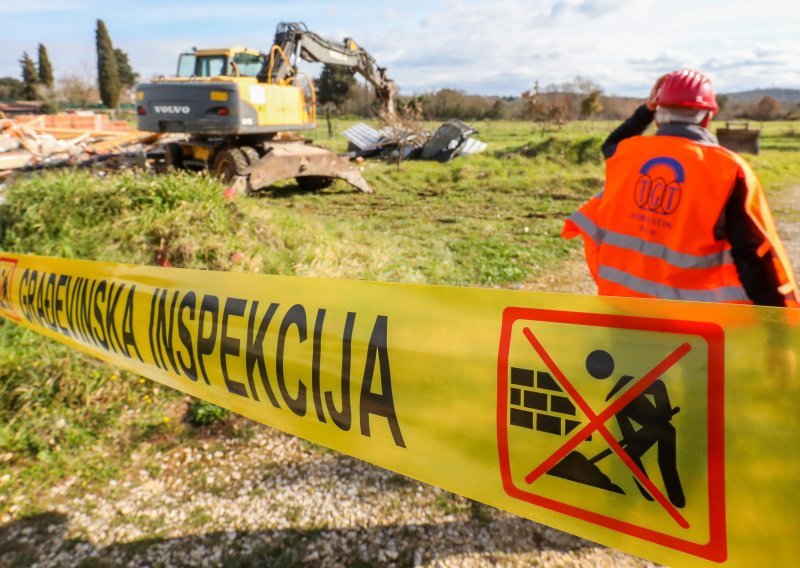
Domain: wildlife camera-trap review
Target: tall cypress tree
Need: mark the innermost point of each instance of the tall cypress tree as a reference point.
(29, 77)
(127, 76)
(45, 68)
(107, 71)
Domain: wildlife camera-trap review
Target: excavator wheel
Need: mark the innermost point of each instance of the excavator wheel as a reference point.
(313, 183)
(251, 154)
(229, 163)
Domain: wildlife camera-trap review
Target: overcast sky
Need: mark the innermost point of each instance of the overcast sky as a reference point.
(485, 47)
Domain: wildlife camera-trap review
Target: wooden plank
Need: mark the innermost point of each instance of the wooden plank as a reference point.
(14, 160)
(72, 132)
(119, 142)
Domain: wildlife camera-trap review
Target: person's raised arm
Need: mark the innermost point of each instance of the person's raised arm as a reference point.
(635, 125)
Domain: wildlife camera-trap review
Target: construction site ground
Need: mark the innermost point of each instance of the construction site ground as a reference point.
(151, 489)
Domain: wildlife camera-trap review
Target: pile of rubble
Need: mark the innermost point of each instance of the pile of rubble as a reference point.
(29, 142)
(451, 139)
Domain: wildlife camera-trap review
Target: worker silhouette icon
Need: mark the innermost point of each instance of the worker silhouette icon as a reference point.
(645, 423)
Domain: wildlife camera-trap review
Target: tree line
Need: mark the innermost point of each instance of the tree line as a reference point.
(37, 82)
(557, 103)
(551, 105)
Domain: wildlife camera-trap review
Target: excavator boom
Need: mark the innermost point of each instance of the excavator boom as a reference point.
(294, 38)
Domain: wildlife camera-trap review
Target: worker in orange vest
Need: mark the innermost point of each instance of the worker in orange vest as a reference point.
(679, 216)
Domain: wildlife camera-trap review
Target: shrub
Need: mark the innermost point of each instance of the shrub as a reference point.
(202, 413)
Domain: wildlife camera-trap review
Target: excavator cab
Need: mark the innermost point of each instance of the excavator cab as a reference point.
(233, 62)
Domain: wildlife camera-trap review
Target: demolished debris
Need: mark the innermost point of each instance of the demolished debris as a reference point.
(451, 139)
(30, 142)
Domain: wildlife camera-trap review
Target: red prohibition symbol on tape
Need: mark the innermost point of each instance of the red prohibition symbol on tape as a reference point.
(647, 393)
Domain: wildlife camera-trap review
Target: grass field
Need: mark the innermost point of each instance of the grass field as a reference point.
(488, 220)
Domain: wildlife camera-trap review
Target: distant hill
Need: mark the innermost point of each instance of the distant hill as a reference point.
(783, 96)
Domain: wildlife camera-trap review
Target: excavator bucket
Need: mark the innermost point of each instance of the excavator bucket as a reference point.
(738, 136)
(298, 160)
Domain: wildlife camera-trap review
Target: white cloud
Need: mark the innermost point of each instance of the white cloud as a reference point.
(590, 8)
(762, 66)
(505, 46)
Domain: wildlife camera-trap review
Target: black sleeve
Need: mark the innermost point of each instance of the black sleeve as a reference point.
(757, 274)
(633, 126)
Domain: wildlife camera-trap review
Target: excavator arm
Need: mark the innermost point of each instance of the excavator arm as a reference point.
(293, 38)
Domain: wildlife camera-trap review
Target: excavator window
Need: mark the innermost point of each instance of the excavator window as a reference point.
(249, 65)
(242, 64)
(192, 65)
(211, 66)
(186, 64)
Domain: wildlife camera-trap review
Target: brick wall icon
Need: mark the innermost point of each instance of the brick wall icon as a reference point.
(538, 403)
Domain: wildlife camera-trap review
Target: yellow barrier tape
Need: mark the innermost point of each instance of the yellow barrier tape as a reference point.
(666, 429)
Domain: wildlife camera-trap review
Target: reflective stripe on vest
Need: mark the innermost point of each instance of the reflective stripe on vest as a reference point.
(655, 289)
(647, 248)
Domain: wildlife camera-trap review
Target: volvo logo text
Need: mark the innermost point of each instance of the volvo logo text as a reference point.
(165, 109)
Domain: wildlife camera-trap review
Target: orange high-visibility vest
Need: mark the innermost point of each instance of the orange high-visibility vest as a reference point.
(650, 232)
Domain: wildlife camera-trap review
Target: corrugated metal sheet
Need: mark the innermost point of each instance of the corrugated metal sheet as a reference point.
(363, 137)
(443, 145)
(470, 146)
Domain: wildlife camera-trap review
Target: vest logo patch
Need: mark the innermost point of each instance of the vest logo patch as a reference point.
(659, 186)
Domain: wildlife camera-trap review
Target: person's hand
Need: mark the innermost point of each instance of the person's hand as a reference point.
(653, 92)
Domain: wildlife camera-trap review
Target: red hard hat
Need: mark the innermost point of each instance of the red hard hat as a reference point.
(686, 88)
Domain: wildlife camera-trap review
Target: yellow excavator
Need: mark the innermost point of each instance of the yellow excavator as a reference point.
(242, 110)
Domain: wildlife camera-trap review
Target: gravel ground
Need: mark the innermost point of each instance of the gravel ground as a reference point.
(276, 500)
